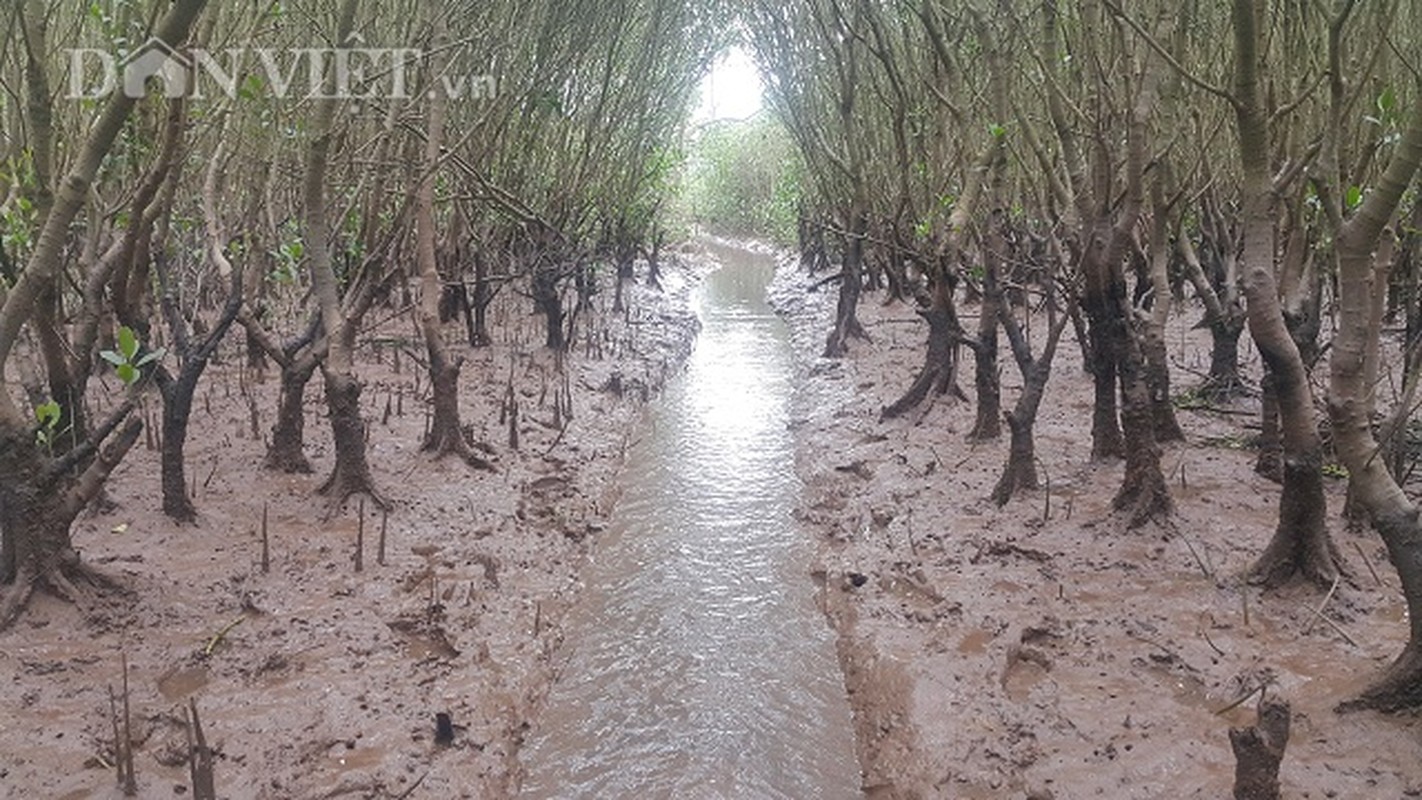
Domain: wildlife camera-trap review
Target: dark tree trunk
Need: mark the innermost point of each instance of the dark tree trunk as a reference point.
(1409, 289)
(1258, 752)
(624, 275)
(545, 298)
(65, 386)
(33, 531)
(1143, 494)
(1106, 439)
(1224, 382)
(1083, 337)
(483, 297)
(894, 277)
(1401, 684)
(1020, 473)
(873, 274)
(940, 363)
(1104, 303)
(39, 500)
(813, 255)
(177, 410)
(846, 317)
(585, 284)
(177, 391)
(1021, 469)
(985, 379)
(1157, 379)
(986, 426)
(351, 472)
(654, 261)
(256, 356)
(1301, 544)
(35, 547)
(1270, 462)
(453, 302)
(286, 451)
(1305, 323)
(446, 433)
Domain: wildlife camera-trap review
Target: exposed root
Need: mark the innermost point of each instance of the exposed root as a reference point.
(1007, 487)
(1144, 500)
(1301, 545)
(916, 393)
(68, 579)
(456, 445)
(341, 485)
(1270, 463)
(16, 596)
(837, 343)
(1018, 475)
(180, 509)
(1399, 689)
(1313, 558)
(284, 459)
(102, 504)
(1221, 389)
(1107, 443)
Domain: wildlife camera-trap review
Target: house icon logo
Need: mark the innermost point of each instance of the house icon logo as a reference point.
(155, 58)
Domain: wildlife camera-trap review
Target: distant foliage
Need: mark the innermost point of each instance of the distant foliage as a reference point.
(744, 179)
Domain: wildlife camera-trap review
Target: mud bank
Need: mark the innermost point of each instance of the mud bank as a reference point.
(1042, 650)
(315, 680)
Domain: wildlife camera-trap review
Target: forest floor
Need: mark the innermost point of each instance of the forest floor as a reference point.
(1042, 649)
(315, 680)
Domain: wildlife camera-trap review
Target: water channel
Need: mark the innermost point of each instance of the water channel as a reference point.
(698, 665)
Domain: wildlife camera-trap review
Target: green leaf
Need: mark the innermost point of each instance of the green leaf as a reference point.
(997, 131)
(127, 373)
(1354, 197)
(251, 88)
(112, 357)
(1387, 101)
(127, 343)
(48, 414)
(152, 356)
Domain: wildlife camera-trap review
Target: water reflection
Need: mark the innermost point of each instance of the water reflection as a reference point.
(698, 663)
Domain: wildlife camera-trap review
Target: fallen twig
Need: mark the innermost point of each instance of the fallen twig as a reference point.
(1236, 704)
(413, 787)
(1318, 612)
(220, 635)
(1209, 573)
(1368, 562)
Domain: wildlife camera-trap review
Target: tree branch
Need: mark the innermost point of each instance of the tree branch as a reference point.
(1179, 68)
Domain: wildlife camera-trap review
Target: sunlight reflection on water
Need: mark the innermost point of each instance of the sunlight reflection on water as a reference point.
(697, 662)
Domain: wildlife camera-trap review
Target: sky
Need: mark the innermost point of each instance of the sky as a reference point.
(732, 89)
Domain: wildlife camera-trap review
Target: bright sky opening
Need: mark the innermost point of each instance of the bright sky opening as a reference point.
(732, 90)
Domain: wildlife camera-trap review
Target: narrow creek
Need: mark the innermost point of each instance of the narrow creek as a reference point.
(698, 665)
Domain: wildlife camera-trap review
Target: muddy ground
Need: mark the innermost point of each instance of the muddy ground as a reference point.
(1037, 650)
(1043, 650)
(315, 680)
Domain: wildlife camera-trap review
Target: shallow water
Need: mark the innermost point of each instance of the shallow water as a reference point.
(698, 665)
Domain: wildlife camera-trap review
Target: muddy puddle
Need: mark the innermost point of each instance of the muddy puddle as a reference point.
(697, 662)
